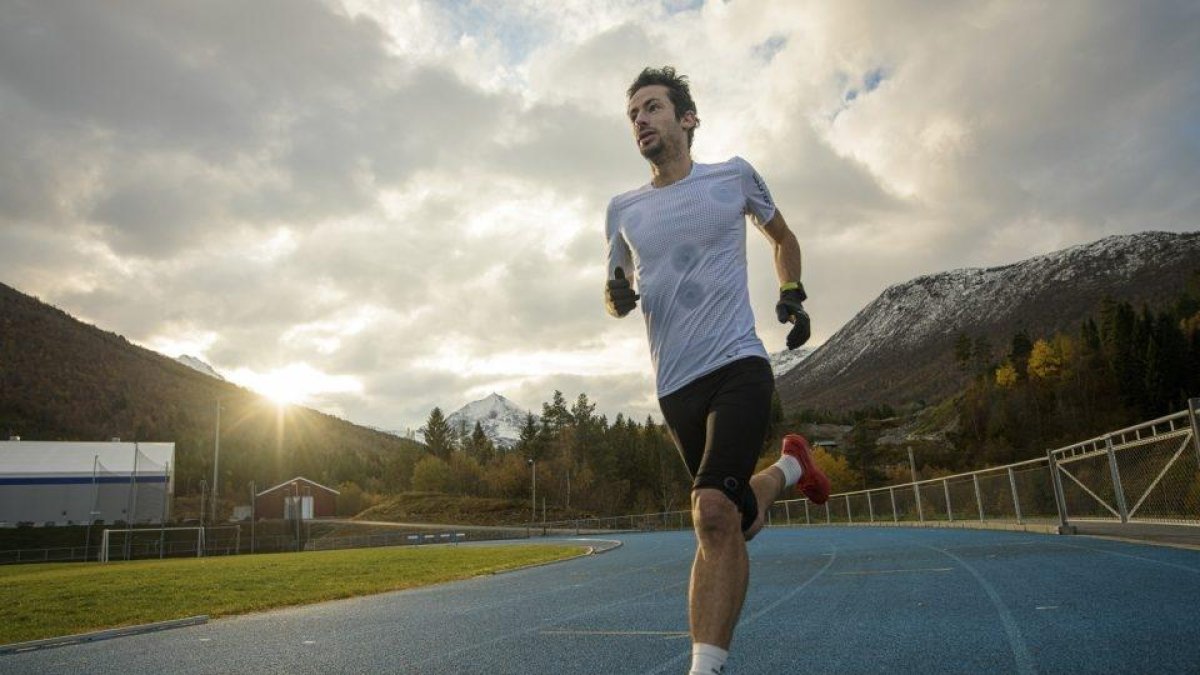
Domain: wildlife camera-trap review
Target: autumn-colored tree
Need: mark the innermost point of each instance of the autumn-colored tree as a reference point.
(1006, 375)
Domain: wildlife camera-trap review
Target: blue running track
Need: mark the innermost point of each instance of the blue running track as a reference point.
(822, 600)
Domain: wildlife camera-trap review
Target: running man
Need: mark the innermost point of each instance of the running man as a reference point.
(680, 239)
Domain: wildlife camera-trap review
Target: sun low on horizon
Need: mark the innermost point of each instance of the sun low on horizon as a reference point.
(295, 383)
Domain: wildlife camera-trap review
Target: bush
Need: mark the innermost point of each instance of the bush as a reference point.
(431, 474)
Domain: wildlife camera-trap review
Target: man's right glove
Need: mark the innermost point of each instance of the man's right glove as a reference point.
(790, 308)
(619, 296)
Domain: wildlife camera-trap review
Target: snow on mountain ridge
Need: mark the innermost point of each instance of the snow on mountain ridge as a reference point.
(198, 365)
(500, 418)
(906, 314)
(784, 360)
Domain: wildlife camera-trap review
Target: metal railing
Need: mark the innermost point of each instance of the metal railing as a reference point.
(1147, 473)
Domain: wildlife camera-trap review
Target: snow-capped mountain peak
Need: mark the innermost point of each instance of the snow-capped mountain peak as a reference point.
(900, 347)
(198, 365)
(784, 360)
(500, 418)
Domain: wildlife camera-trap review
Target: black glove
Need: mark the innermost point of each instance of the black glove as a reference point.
(791, 308)
(619, 296)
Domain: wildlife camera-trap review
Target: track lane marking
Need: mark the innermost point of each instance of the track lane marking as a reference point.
(1016, 642)
(666, 634)
(669, 663)
(902, 571)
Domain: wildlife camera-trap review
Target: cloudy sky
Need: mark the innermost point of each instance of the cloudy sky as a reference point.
(377, 206)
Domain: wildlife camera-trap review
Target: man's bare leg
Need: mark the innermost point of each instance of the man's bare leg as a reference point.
(721, 570)
(768, 486)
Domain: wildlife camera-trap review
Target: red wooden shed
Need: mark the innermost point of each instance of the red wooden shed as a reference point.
(298, 496)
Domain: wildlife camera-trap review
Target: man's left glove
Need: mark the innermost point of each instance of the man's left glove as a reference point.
(790, 308)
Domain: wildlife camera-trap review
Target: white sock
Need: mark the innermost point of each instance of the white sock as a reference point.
(707, 659)
(792, 471)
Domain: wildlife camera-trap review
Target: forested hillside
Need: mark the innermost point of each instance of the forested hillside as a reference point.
(61, 379)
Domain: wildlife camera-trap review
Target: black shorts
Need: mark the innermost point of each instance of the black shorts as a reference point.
(719, 423)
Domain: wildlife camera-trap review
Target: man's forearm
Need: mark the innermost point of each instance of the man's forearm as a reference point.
(788, 259)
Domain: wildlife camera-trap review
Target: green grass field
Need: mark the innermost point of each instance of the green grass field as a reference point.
(39, 601)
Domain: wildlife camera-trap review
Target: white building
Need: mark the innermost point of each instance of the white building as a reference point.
(58, 483)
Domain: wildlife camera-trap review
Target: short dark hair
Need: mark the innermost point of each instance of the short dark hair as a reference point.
(677, 90)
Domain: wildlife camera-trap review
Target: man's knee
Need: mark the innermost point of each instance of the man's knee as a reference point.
(713, 512)
(735, 493)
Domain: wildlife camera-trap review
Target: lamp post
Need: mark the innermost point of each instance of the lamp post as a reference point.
(533, 466)
(216, 461)
(203, 494)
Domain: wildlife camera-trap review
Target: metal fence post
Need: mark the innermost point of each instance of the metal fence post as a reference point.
(1194, 403)
(787, 511)
(895, 513)
(1060, 498)
(827, 520)
(1116, 478)
(920, 511)
(949, 506)
(1012, 484)
(870, 507)
(978, 497)
(849, 515)
(807, 519)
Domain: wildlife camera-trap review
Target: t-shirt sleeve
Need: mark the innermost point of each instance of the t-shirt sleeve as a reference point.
(619, 254)
(759, 204)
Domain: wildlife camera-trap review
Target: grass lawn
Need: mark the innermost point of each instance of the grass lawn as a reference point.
(39, 601)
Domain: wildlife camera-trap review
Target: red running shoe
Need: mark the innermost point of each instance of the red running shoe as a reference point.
(813, 483)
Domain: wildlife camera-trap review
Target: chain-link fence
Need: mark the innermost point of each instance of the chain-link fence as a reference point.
(1148, 473)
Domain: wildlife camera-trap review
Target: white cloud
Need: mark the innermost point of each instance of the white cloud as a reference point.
(400, 202)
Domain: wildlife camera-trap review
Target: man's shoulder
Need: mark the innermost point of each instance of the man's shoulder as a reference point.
(628, 196)
(734, 164)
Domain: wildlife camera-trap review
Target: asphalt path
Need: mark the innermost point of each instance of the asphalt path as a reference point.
(821, 600)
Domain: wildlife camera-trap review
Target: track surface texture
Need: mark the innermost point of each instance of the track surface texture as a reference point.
(821, 600)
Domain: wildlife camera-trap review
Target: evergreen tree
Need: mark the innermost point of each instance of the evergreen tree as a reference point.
(962, 351)
(555, 415)
(438, 436)
(529, 444)
(479, 447)
(1019, 353)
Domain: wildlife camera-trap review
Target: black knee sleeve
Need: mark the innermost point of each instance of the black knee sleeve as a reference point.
(738, 492)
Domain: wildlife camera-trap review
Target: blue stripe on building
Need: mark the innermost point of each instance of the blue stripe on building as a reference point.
(80, 480)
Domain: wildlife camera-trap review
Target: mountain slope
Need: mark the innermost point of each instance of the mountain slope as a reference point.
(899, 349)
(61, 379)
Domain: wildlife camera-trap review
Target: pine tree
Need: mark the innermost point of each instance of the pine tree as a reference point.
(479, 447)
(529, 444)
(962, 351)
(1019, 353)
(438, 436)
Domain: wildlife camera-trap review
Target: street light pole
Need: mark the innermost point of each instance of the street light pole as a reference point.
(216, 461)
(533, 465)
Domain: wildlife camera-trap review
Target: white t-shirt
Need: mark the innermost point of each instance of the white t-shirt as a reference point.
(684, 248)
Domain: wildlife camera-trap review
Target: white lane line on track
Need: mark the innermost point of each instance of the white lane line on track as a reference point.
(524, 596)
(1016, 642)
(508, 636)
(787, 597)
(870, 572)
(668, 634)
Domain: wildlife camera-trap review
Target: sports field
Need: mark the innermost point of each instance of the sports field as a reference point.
(41, 601)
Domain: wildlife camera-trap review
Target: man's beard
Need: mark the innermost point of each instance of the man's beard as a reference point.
(656, 150)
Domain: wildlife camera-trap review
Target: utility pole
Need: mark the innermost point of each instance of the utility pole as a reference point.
(216, 461)
(533, 466)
